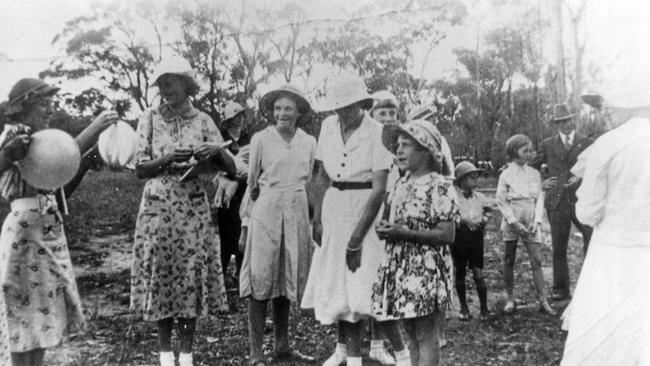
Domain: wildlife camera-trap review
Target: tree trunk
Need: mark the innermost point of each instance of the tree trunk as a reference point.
(560, 77)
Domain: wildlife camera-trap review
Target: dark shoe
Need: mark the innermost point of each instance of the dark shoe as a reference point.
(291, 355)
(560, 296)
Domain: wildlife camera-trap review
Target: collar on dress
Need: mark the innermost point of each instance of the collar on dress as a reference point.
(185, 111)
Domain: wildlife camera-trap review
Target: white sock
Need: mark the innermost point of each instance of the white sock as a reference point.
(354, 361)
(185, 359)
(376, 343)
(167, 358)
(341, 348)
(403, 355)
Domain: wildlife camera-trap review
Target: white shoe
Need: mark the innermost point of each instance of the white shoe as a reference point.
(336, 359)
(167, 359)
(382, 356)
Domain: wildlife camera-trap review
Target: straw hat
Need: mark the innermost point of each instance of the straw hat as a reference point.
(384, 99)
(231, 110)
(347, 90)
(52, 159)
(420, 111)
(268, 99)
(25, 89)
(422, 131)
(463, 169)
(562, 112)
(174, 65)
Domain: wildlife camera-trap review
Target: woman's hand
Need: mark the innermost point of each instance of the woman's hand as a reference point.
(353, 254)
(317, 232)
(390, 232)
(104, 120)
(207, 151)
(242, 239)
(16, 149)
(535, 227)
(178, 156)
(549, 183)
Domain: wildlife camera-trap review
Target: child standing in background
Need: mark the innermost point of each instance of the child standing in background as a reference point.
(521, 201)
(467, 250)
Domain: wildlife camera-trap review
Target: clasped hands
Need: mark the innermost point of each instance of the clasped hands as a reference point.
(522, 230)
(204, 152)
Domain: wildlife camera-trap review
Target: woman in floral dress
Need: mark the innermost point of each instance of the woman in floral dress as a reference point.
(176, 272)
(414, 283)
(37, 279)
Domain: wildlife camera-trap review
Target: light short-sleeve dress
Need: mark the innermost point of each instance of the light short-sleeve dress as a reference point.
(176, 269)
(333, 291)
(276, 259)
(36, 275)
(416, 280)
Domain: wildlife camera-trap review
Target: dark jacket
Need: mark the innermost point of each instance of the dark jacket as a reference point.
(559, 161)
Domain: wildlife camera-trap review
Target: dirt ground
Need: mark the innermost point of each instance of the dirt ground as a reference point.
(100, 228)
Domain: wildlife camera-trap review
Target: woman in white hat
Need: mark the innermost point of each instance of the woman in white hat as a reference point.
(344, 266)
(276, 258)
(176, 271)
(608, 319)
(33, 249)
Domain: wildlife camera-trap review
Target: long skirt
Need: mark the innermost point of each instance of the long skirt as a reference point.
(333, 291)
(176, 270)
(38, 282)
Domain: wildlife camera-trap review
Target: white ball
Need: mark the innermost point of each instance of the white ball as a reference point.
(118, 145)
(52, 159)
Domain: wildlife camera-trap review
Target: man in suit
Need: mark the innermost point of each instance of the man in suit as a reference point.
(559, 152)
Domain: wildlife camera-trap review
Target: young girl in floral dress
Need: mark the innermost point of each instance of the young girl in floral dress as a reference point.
(415, 281)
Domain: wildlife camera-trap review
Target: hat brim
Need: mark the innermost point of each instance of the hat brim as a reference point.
(563, 118)
(460, 177)
(391, 132)
(226, 120)
(331, 104)
(15, 106)
(594, 100)
(268, 99)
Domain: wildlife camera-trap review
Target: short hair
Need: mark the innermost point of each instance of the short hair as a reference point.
(515, 143)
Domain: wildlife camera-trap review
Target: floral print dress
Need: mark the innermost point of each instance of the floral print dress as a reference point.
(176, 270)
(416, 280)
(38, 283)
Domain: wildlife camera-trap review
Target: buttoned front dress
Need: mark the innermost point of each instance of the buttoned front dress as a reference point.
(333, 291)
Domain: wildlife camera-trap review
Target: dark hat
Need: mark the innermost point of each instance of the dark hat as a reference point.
(268, 99)
(25, 89)
(593, 99)
(463, 169)
(562, 112)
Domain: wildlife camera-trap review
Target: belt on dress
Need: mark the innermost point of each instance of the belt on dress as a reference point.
(344, 186)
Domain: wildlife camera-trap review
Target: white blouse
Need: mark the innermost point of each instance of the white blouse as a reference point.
(359, 157)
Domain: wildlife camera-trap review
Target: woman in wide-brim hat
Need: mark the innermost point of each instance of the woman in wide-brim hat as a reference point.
(276, 257)
(33, 246)
(354, 162)
(176, 271)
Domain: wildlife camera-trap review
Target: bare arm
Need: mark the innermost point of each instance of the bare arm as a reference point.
(443, 233)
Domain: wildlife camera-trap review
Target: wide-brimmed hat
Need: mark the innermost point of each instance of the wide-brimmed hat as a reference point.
(268, 99)
(420, 111)
(422, 131)
(384, 99)
(26, 89)
(463, 169)
(231, 110)
(593, 99)
(52, 159)
(562, 112)
(345, 91)
(174, 65)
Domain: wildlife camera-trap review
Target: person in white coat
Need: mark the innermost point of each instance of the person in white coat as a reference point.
(608, 320)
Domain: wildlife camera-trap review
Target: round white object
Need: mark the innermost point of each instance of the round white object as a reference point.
(118, 144)
(52, 159)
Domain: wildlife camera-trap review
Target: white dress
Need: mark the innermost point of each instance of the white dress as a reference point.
(333, 291)
(608, 319)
